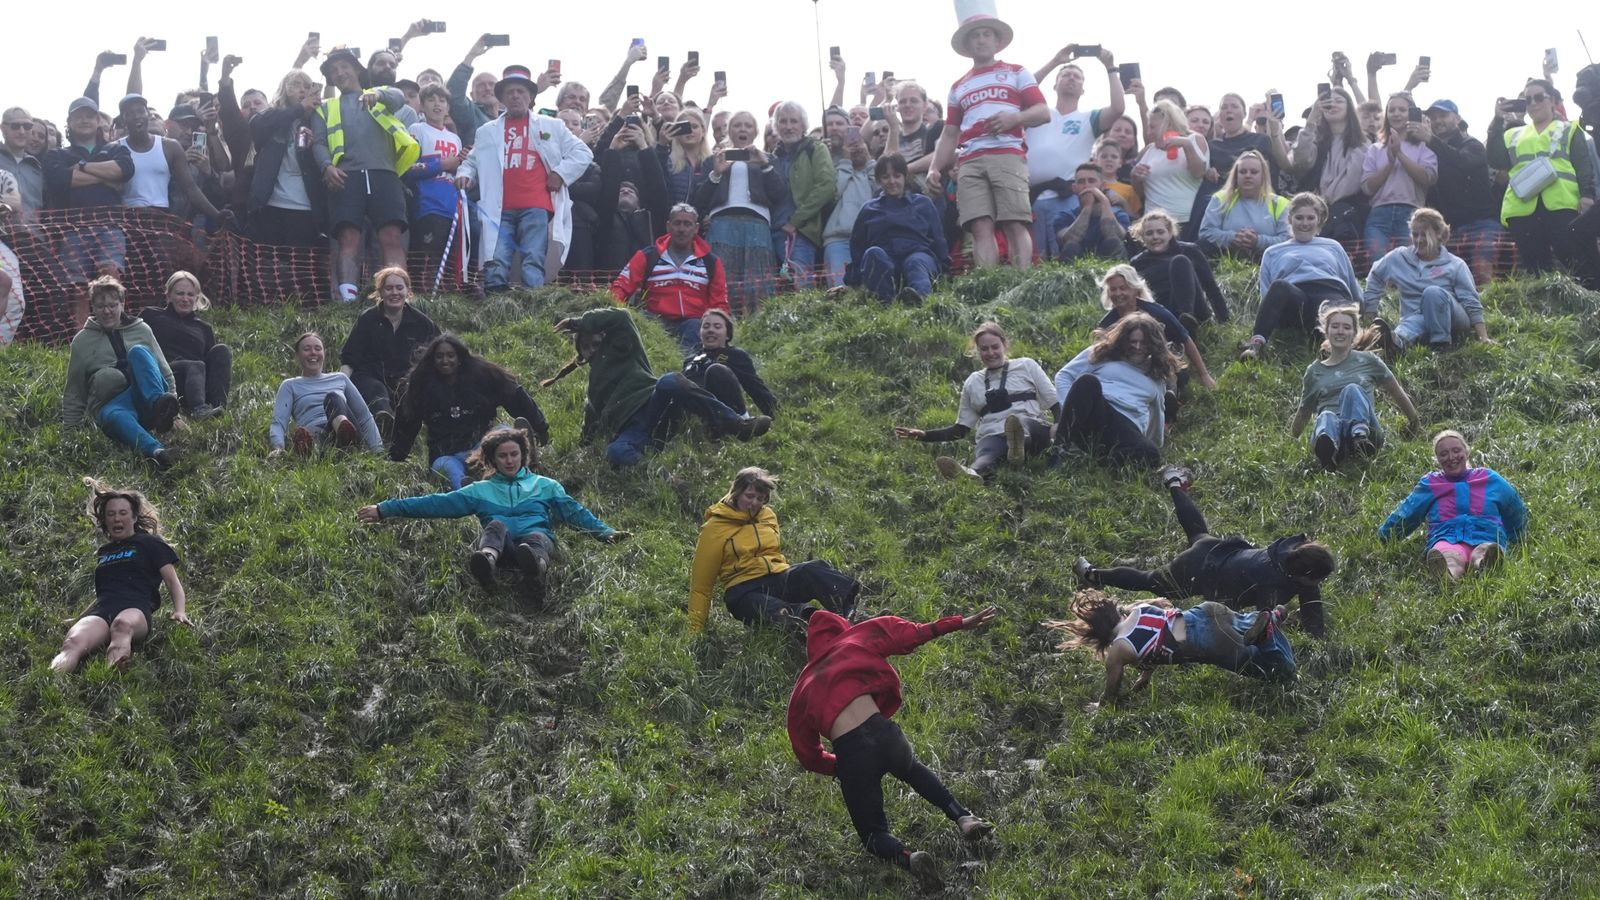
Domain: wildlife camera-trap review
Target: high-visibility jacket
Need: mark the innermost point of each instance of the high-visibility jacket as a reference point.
(406, 150)
(1526, 144)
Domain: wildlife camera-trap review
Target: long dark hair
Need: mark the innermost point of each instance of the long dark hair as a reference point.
(423, 375)
(1097, 617)
(1113, 345)
(146, 518)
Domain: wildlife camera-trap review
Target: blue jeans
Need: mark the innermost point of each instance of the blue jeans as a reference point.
(120, 419)
(687, 331)
(878, 271)
(453, 467)
(1435, 317)
(521, 230)
(1214, 635)
(672, 389)
(1388, 226)
(802, 257)
(836, 256)
(1045, 211)
(1355, 412)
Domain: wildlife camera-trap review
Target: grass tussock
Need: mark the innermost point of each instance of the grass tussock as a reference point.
(353, 717)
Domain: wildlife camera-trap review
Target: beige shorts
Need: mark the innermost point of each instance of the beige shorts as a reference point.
(994, 187)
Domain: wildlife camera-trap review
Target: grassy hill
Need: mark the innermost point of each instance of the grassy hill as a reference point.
(354, 717)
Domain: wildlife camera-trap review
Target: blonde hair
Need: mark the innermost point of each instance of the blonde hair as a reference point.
(1450, 433)
(751, 476)
(1173, 117)
(1151, 215)
(1229, 192)
(1332, 309)
(383, 275)
(680, 158)
(1435, 232)
(281, 100)
(1126, 273)
(201, 302)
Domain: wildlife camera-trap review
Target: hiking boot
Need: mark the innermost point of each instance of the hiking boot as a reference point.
(303, 442)
(163, 412)
(950, 469)
(909, 297)
(384, 419)
(481, 565)
(1176, 477)
(345, 433)
(534, 568)
(1327, 452)
(926, 870)
(974, 828)
(1016, 440)
(1084, 569)
(1361, 442)
(161, 459)
(751, 428)
(1189, 323)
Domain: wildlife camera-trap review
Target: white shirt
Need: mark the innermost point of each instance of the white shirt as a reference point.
(1021, 376)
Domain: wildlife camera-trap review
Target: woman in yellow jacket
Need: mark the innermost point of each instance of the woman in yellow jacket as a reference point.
(739, 547)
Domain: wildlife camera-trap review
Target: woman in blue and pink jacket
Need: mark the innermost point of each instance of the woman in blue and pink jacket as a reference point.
(1473, 514)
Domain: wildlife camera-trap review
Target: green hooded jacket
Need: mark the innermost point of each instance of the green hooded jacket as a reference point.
(93, 379)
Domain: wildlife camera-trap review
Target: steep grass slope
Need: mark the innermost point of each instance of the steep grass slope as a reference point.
(352, 717)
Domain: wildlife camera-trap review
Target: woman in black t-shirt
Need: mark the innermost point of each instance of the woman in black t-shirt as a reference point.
(128, 575)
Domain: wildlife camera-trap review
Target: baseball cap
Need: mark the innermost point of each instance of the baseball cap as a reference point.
(1445, 105)
(80, 104)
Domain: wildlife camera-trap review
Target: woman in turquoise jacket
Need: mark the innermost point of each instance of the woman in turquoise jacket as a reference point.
(1473, 514)
(515, 506)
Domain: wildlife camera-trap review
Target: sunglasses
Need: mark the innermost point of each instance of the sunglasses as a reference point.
(20, 126)
(1537, 98)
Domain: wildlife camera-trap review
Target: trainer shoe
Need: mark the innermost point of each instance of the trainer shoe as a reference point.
(1327, 452)
(1437, 564)
(926, 869)
(303, 442)
(1016, 440)
(951, 469)
(908, 296)
(1492, 554)
(345, 433)
(974, 828)
(1253, 350)
(163, 412)
(521, 423)
(751, 428)
(481, 565)
(1176, 477)
(534, 568)
(161, 459)
(1084, 570)
(1361, 442)
(1189, 323)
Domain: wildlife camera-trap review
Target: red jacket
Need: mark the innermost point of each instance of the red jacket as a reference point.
(844, 662)
(674, 292)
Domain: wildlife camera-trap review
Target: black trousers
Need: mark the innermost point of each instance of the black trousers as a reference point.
(204, 382)
(495, 536)
(866, 753)
(1295, 305)
(1176, 578)
(1089, 422)
(764, 600)
(374, 391)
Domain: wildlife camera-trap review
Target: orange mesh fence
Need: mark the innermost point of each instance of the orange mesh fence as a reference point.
(58, 253)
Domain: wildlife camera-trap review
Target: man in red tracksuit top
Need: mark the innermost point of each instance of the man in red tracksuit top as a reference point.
(848, 692)
(681, 278)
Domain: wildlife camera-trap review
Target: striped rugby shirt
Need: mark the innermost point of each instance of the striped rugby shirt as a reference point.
(984, 92)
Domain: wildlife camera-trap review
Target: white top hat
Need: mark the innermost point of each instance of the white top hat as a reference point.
(972, 14)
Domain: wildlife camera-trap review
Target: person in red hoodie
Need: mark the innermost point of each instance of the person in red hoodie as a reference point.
(680, 277)
(849, 692)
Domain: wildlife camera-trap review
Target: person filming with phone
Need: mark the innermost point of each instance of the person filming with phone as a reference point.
(1552, 180)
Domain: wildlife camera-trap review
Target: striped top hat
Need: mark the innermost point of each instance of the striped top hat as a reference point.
(515, 75)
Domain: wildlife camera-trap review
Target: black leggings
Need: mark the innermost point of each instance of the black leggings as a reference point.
(374, 391)
(991, 451)
(724, 385)
(1176, 578)
(495, 536)
(866, 753)
(1183, 293)
(204, 382)
(1289, 305)
(765, 600)
(1088, 421)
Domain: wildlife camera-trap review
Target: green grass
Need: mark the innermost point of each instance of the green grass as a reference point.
(352, 717)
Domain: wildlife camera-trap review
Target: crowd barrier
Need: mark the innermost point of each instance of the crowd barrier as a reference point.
(59, 252)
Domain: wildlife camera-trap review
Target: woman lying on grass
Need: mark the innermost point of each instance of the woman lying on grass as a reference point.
(515, 507)
(1473, 514)
(1227, 568)
(128, 575)
(739, 547)
(1004, 401)
(849, 692)
(323, 406)
(1153, 633)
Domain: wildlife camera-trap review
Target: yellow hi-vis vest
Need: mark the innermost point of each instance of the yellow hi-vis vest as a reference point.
(1526, 144)
(406, 150)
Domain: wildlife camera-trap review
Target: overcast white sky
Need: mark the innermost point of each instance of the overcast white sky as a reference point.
(770, 52)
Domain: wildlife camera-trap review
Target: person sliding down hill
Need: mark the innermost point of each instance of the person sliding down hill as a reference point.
(1152, 633)
(626, 402)
(849, 693)
(1227, 568)
(515, 506)
(739, 547)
